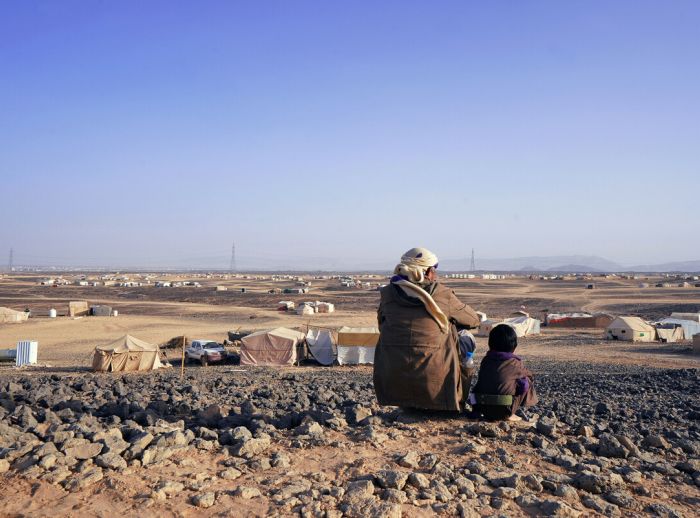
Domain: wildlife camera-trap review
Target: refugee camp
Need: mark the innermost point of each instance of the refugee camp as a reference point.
(359, 259)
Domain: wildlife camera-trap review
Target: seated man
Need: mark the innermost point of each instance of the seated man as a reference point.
(416, 362)
(504, 384)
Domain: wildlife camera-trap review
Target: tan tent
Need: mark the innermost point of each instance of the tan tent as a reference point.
(126, 354)
(357, 345)
(276, 347)
(8, 315)
(632, 329)
(78, 308)
(670, 333)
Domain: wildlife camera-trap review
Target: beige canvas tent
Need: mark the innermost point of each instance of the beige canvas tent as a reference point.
(126, 354)
(276, 347)
(8, 316)
(670, 333)
(357, 345)
(78, 308)
(632, 329)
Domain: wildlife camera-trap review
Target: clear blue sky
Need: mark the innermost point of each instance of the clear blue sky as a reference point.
(343, 133)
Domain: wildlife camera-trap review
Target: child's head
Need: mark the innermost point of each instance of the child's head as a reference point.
(503, 338)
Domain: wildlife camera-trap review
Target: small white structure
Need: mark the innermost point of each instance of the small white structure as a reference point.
(27, 352)
(52, 313)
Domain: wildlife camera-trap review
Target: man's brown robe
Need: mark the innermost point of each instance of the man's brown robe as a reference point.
(416, 364)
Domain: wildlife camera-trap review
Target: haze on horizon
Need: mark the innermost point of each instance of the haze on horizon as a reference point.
(340, 135)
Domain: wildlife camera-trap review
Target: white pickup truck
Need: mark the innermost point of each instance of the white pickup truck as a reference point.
(205, 351)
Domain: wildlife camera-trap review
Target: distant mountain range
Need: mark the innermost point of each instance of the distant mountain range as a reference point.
(566, 264)
(558, 264)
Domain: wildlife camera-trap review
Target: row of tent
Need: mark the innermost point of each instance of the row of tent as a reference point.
(356, 345)
(283, 346)
(280, 346)
(634, 329)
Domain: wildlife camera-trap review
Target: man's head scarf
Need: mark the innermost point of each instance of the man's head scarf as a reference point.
(414, 263)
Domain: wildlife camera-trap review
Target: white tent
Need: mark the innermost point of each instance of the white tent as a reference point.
(690, 327)
(523, 326)
(8, 315)
(321, 346)
(126, 354)
(357, 345)
(276, 347)
(631, 329)
(486, 326)
(305, 309)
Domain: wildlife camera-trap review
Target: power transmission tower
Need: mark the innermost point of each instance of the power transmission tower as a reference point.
(472, 266)
(10, 264)
(232, 267)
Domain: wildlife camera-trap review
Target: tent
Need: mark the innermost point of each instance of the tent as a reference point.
(305, 309)
(579, 320)
(78, 308)
(486, 326)
(669, 333)
(8, 315)
(275, 347)
(690, 327)
(357, 344)
(523, 326)
(101, 311)
(632, 329)
(325, 307)
(321, 346)
(126, 354)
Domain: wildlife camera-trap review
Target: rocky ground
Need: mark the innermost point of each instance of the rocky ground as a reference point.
(604, 440)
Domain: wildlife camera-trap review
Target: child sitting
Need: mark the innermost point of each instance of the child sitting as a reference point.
(504, 384)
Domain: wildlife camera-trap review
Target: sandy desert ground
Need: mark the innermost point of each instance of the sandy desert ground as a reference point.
(342, 454)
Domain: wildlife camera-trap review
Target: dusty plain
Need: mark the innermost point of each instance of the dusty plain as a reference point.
(326, 447)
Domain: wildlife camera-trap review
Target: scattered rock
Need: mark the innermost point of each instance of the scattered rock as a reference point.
(203, 500)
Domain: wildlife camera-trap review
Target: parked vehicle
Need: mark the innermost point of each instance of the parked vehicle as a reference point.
(205, 352)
